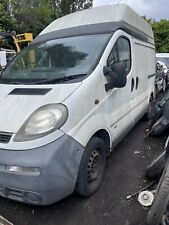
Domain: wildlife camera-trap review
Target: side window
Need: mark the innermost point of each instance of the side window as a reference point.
(112, 57)
(121, 53)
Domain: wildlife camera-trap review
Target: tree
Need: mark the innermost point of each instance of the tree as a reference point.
(36, 15)
(161, 34)
(7, 22)
(32, 17)
(22, 17)
(65, 7)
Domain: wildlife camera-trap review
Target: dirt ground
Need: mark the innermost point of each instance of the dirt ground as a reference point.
(109, 206)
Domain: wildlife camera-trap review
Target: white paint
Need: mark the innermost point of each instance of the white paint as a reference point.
(3, 58)
(118, 109)
(102, 14)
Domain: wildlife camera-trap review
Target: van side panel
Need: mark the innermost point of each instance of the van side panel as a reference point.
(118, 109)
(144, 76)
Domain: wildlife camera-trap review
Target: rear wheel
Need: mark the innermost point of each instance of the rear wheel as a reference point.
(159, 206)
(92, 167)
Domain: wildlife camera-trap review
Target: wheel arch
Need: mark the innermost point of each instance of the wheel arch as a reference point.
(105, 136)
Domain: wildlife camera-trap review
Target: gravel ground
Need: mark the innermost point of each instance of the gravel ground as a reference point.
(109, 206)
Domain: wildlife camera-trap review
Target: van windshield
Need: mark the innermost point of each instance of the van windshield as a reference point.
(56, 60)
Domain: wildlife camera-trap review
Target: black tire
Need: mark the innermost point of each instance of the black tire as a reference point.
(161, 199)
(159, 127)
(92, 167)
(155, 169)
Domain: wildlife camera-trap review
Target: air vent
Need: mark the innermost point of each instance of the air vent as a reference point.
(30, 91)
(5, 137)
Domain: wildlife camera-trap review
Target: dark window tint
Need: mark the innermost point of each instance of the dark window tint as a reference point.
(121, 53)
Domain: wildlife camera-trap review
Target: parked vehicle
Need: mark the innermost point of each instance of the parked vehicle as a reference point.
(161, 77)
(159, 116)
(159, 211)
(164, 58)
(90, 80)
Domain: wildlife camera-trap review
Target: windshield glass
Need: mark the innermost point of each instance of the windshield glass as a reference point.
(55, 59)
(165, 60)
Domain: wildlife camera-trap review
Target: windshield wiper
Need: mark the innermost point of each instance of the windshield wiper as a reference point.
(44, 81)
(58, 80)
(8, 81)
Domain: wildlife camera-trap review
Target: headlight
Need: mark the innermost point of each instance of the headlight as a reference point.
(43, 121)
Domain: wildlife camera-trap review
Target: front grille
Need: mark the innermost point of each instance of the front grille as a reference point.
(5, 137)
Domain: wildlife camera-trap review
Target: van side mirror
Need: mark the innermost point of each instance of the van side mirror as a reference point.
(116, 76)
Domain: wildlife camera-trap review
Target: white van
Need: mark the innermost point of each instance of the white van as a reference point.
(69, 98)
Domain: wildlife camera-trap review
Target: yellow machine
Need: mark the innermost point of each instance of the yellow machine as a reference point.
(11, 44)
(21, 39)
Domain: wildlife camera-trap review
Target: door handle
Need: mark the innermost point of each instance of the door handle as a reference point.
(137, 82)
(132, 84)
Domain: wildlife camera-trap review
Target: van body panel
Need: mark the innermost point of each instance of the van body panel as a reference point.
(127, 106)
(104, 14)
(56, 167)
(27, 104)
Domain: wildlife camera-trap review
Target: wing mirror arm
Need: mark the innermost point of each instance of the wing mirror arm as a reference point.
(109, 74)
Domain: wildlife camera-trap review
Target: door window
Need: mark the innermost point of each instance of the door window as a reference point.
(121, 53)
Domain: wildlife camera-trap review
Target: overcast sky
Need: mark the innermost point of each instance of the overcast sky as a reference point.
(155, 9)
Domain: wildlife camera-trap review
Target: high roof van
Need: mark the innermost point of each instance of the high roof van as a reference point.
(69, 98)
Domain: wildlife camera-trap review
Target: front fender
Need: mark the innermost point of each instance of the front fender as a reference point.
(84, 130)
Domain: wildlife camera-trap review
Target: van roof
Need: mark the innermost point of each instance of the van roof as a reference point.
(102, 15)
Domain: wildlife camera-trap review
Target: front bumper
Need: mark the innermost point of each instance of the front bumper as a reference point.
(58, 163)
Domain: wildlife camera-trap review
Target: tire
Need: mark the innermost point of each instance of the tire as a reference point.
(155, 169)
(159, 127)
(92, 167)
(161, 199)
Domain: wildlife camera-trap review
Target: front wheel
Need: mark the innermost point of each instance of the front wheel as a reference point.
(159, 207)
(92, 167)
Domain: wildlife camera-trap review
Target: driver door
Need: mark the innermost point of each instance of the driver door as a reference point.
(118, 100)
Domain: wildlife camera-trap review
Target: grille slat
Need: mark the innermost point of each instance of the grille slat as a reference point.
(5, 137)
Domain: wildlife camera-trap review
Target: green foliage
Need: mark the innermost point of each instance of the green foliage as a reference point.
(34, 15)
(6, 21)
(161, 34)
(69, 6)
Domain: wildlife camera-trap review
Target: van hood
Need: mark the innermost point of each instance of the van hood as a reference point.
(18, 102)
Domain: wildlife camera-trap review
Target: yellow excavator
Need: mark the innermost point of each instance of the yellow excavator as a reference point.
(11, 44)
(22, 40)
